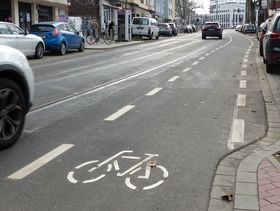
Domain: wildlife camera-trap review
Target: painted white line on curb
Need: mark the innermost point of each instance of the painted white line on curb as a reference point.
(187, 69)
(119, 113)
(244, 73)
(241, 100)
(173, 78)
(237, 135)
(25, 171)
(243, 84)
(195, 63)
(154, 91)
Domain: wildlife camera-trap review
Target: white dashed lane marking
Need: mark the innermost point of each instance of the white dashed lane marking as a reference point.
(154, 91)
(241, 100)
(244, 66)
(173, 78)
(243, 73)
(119, 113)
(195, 63)
(237, 133)
(202, 58)
(243, 84)
(25, 171)
(187, 69)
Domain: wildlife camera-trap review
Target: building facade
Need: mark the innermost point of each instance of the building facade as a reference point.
(27, 12)
(228, 12)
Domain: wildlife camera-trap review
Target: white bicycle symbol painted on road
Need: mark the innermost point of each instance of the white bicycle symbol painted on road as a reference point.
(112, 162)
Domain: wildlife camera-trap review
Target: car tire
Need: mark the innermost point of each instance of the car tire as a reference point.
(261, 51)
(264, 60)
(82, 46)
(269, 67)
(220, 37)
(39, 51)
(157, 37)
(12, 112)
(203, 37)
(151, 36)
(62, 49)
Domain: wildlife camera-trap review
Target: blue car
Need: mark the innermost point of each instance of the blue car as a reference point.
(58, 36)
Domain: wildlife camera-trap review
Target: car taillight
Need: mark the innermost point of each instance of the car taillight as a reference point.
(55, 32)
(274, 35)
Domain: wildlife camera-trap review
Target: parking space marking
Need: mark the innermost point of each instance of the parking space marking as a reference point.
(173, 78)
(25, 171)
(187, 69)
(195, 63)
(244, 73)
(154, 91)
(244, 65)
(241, 100)
(237, 133)
(202, 58)
(243, 84)
(119, 113)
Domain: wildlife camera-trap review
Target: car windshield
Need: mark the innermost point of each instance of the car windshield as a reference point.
(41, 28)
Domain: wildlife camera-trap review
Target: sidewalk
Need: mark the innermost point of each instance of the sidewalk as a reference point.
(115, 44)
(252, 174)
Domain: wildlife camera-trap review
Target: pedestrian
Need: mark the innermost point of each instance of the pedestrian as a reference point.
(111, 28)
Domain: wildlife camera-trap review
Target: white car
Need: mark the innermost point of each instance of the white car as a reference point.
(29, 44)
(145, 27)
(16, 94)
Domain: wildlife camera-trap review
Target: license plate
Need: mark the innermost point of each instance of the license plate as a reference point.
(140, 28)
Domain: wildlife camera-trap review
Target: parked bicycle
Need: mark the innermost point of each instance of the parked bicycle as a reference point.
(100, 37)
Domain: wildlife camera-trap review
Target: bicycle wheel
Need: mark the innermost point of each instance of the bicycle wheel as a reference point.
(107, 39)
(91, 40)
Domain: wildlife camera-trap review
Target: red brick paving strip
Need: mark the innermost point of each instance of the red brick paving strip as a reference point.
(268, 186)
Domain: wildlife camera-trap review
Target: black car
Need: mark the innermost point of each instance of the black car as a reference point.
(249, 28)
(263, 29)
(271, 45)
(212, 29)
(174, 29)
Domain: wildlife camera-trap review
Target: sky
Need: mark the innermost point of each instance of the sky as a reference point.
(204, 10)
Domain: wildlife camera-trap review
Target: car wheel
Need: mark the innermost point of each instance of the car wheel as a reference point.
(220, 37)
(157, 37)
(62, 49)
(203, 37)
(151, 37)
(39, 51)
(12, 112)
(264, 60)
(82, 46)
(261, 51)
(269, 67)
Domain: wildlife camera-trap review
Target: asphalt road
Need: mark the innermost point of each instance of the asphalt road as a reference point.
(170, 101)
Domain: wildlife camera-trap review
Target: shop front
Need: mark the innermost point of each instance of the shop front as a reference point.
(5, 11)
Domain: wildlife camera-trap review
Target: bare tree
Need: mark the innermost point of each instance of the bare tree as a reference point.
(184, 9)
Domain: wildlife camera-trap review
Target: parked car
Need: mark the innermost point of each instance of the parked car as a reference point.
(29, 44)
(165, 30)
(271, 45)
(145, 27)
(16, 94)
(263, 29)
(212, 29)
(174, 29)
(238, 28)
(193, 27)
(249, 28)
(59, 36)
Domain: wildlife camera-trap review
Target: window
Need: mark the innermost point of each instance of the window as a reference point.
(15, 29)
(277, 25)
(141, 21)
(4, 29)
(41, 28)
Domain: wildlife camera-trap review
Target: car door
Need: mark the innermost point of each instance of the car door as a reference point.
(76, 38)
(6, 36)
(23, 43)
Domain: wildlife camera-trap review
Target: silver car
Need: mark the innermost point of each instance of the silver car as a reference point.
(29, 44)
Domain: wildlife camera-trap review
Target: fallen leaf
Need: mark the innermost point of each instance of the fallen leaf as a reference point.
(152, 163)
(227, 197)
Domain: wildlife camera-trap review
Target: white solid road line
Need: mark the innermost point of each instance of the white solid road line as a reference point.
(244, 73)
(195, 63)
(187, 69)
(25, 171)
(154, 91)
(241, 100)
(243, 84)
(173, 78)
(237, 134)
(119, 113)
